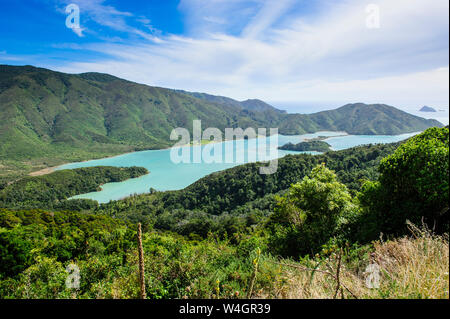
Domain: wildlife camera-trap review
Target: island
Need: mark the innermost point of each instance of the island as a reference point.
(427, 109)
(317, 146)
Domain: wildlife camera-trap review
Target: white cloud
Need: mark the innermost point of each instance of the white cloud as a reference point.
(108, 16)
(328, 56)
(270, 12)
(215, 20)
(204, 17)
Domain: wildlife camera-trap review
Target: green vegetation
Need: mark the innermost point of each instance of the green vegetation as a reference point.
(362, 119)
(313, 211)
(36, 247)
(52, 190)
(306, 231)
(413, 184)
(202, 142)
(412, 187)
(50, 118)
(230, 201)
(317, 146)
(357, 118)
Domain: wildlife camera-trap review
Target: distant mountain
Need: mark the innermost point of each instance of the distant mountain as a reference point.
(50, 117)
(213, 98)
(259, 106)
(427, 109)
(251, 105)
(374, 119)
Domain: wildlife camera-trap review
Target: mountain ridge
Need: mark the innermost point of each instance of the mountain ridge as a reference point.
(50, 117)
(249, 104)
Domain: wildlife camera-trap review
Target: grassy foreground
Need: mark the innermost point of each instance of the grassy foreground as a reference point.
(414, 267)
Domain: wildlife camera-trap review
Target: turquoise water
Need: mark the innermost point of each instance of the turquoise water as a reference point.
(167, 175)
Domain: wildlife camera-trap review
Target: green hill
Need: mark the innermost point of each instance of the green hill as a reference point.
(377, 119)
(359, 119)
(50, 117)
(51, 190)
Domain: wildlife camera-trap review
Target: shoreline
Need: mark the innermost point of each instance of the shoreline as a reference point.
(324, 138)
(332, 135)
(43, 171)
(49, 170)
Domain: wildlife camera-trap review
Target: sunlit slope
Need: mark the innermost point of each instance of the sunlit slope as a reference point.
(51, 115)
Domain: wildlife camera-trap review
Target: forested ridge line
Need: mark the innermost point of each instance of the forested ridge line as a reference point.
(52, 190)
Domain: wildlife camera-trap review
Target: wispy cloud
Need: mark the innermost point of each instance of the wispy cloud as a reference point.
(204, 17)
(106, 15)
(11, 58)
(269, 13)
(329, 55)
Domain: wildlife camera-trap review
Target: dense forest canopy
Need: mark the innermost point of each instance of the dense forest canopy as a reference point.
(234, 233)
(53, 190)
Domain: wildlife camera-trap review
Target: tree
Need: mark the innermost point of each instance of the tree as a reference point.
(413, 185)
(310, 214)
(15, 254)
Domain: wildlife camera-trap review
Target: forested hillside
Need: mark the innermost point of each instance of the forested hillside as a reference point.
(52, 190)
(232, 200)
(50, 117)
(309, 231)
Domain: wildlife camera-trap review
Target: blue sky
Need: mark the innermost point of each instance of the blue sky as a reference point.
(289, 52)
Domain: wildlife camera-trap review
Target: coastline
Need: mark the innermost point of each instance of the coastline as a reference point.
(43, 171)
(324, 138)
(116, 194)
(49, 170)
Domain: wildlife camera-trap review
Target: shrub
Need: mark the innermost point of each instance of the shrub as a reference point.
(310, 213)
(413, 185)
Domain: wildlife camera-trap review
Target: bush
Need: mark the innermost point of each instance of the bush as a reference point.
(413, 185)
(15, 254)
(310, 214)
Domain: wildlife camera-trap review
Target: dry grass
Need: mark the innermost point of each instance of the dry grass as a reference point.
(411, 267)
(415, 267)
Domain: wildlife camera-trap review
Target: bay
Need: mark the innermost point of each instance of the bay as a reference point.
(167, 175)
